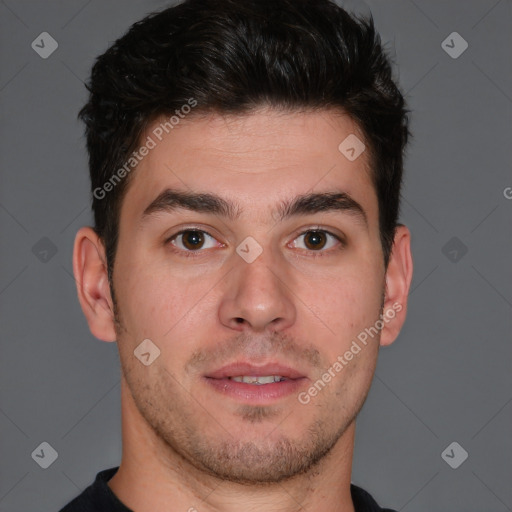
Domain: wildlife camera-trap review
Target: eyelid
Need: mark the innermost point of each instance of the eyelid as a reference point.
(187, 229)
(192, 227)
(317, 227)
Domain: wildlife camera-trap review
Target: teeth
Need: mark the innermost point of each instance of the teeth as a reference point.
(258, 380)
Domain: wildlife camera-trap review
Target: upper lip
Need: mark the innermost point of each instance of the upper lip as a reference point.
(241, 368)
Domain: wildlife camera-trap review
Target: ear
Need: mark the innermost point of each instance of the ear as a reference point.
(398, 282)
(90, 270)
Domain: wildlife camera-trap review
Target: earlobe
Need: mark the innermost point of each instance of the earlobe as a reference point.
(90, 270)
(398, 282)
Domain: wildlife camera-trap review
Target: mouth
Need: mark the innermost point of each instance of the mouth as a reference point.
(252, 384)
(258, 380)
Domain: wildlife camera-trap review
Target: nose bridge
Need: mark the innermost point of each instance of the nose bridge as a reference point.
(259, 268)
(256, 295)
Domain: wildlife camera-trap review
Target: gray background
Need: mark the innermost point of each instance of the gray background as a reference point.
(448, 376)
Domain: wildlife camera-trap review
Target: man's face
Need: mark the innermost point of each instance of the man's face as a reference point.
(207, 298)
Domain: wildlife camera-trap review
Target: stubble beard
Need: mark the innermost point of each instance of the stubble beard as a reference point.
(263, 462)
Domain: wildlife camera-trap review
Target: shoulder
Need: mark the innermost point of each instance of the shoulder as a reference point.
(364, 502)
(98, 497)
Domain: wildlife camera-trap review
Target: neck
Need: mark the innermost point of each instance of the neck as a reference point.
(153, 476)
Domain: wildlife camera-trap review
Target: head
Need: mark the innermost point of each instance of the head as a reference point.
(215, 130)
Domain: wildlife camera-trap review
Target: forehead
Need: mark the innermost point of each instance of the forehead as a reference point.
(255, 160)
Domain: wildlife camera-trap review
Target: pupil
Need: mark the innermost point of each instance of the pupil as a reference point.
(192, 239)
(316, 237)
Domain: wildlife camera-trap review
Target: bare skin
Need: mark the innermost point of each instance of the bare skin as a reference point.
(301, 303)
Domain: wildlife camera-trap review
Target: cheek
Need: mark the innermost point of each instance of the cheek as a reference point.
(346, 301)
(158, 302)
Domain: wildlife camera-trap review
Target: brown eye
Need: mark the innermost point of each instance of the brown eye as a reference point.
(315, 240)
(192, 240)
(318, 241)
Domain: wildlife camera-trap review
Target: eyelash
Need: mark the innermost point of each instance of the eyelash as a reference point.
(195, 254)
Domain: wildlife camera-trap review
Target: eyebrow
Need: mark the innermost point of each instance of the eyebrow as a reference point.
(331, 201)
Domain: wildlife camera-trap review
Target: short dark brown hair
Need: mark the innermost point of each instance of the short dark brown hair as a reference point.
(233, 56)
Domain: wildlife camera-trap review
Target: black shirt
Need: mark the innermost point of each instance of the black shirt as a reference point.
(98, 497)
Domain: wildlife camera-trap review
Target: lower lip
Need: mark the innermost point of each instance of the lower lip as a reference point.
(256, 393)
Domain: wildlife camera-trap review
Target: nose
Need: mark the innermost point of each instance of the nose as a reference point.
(258, 296)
